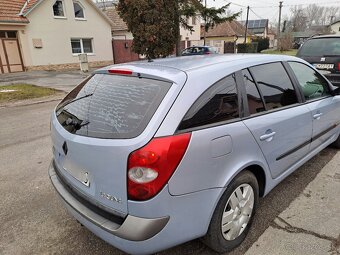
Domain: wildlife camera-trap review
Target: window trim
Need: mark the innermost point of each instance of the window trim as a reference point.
(220, 123)
(244, 95)
(82, 46)
(74, 12)
(64, 10)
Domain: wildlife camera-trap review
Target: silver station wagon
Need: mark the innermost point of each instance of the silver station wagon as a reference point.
(151, 155)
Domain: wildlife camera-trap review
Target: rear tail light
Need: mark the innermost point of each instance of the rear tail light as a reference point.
(150, 167)
(207, 52)
(120, 71)
(338, 66)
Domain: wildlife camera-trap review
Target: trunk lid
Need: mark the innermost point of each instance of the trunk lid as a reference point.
(103, 120)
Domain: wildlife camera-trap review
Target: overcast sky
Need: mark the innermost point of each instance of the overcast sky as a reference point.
(268, 9)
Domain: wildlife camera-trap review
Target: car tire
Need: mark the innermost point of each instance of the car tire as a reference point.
(336, 144)
(238, 214)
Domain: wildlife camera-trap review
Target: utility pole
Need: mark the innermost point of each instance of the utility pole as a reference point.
(279, 25)
(245, 33)
(205, 21)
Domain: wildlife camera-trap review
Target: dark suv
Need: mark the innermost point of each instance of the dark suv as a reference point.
(324, 53)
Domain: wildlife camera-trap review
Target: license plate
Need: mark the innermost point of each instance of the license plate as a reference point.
(324, 66)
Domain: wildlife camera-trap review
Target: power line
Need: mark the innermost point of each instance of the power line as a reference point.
(286, 5)
(317, 3)
(275, 15)
(256, 14)
(238, 4)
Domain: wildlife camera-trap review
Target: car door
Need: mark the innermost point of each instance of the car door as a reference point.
(280, 124)
(323, 106)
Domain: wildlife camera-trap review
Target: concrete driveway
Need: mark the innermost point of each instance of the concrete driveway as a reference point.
(65, 80)
(300, 216)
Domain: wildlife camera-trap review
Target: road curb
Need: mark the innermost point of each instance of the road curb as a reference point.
(32, 101)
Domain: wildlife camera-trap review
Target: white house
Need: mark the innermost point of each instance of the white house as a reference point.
(335, 27)
(191, 37)
(50, 34)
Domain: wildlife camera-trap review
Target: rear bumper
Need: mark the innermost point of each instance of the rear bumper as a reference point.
(132, 229)
(189, 218)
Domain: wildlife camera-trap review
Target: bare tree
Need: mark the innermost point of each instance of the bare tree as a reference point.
(298, 19)
(312, 15)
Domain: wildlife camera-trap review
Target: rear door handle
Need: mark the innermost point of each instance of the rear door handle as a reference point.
(317, 116)
(267, 137)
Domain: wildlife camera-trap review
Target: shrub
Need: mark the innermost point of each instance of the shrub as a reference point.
(263, 43)
(247, 48)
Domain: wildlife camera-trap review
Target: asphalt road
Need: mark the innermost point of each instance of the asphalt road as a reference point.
(33, 220)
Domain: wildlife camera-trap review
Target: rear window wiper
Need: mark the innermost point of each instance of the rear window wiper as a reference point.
(73, 100)
(75, 124)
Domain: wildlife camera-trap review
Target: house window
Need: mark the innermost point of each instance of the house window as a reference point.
(339, 29)
(8, 34)
(78, 10)
(194, 20)
(81, 46)
(58, 9)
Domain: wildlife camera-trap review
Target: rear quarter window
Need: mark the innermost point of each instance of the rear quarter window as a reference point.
(111, 106)
(217, 104)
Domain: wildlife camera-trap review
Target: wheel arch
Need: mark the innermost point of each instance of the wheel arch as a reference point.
(260, 175)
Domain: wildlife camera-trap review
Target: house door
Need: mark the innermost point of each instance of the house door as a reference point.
(10, 55)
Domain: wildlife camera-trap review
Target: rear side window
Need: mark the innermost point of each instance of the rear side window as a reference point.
(255, 103)
(111, 106)
(217, 104)
(275, 85)
(312, 84)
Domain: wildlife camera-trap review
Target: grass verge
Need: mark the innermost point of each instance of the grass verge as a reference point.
(18, 92)
(289, 52)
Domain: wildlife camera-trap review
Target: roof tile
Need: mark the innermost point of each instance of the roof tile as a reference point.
(118, 23)
(10, 10)
(226, 29)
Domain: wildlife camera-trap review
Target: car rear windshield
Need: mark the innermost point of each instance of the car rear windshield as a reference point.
(321, 47)
(111, 106)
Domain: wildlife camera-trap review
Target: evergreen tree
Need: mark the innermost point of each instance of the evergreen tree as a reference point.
(155, 24)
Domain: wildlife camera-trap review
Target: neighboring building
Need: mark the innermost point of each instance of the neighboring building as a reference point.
(119, 28)
(103, 4)
(232, 31)
(300, 37)
(257, 27)
(272, 38)
(191, 38)
(50, 34)
(335, 27)
(122, 37)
